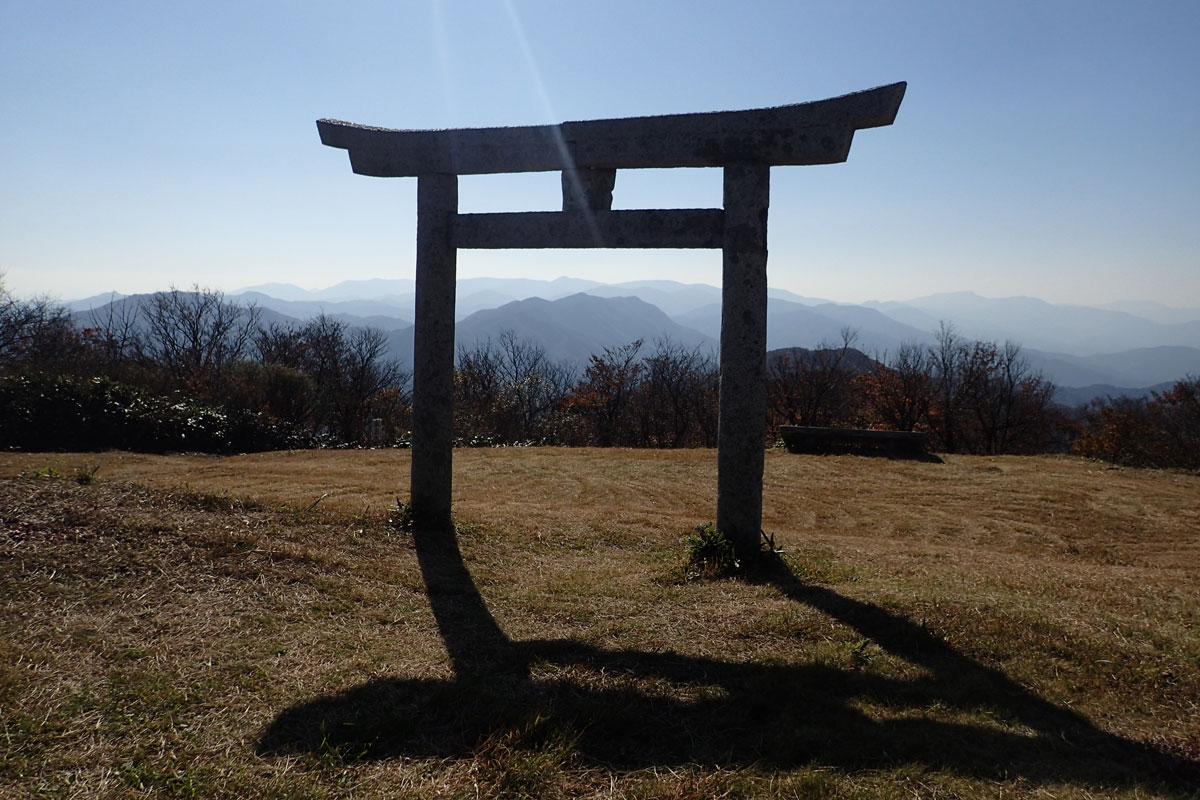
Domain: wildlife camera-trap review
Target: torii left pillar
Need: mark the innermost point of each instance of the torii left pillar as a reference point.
(433, 353)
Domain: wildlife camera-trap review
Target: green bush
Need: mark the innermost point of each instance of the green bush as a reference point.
(40, 412)
(275, 389)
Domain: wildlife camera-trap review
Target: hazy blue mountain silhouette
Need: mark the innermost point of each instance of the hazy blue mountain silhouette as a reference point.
(280, 291)
(522, 288)
(791, 324)
(1075, 346)
(93, 302)
(1148, 365)
(359, 313)
(1082, 395)
(1141, 367)
(467, 303)
(269, 312)
(1156, 312)
(391, 313)
(1067, 370)
(670, 297)
(570, 329)
(853, 361)
(677, 299)
(477, 294)
(1076, 330)
(907, 315)
(370, 289)
(130, 307)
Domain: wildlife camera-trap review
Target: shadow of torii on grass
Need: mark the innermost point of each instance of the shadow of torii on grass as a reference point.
(736, 714)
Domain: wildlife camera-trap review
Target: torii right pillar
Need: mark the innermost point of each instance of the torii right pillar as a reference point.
(743, 403)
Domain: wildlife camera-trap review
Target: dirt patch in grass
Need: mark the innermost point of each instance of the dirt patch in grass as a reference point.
(252, 626)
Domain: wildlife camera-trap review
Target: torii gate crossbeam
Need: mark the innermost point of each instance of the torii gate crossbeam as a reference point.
(745, 144)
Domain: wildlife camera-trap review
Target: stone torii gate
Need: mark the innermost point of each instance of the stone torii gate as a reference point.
(745, 144)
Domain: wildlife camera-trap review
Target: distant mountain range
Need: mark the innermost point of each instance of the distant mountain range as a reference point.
(1076, 330)
(1126, 348)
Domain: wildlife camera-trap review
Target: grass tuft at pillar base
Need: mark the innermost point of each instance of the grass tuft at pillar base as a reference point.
(712, 555)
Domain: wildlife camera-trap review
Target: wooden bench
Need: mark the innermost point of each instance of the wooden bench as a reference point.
(807, 439)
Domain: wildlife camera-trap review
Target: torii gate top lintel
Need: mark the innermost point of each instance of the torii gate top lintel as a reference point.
(817, 132)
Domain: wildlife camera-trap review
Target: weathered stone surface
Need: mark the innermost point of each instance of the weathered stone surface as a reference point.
(743, 401)
(650, 228)
(818, 132)
(433, 353)
(588, 189)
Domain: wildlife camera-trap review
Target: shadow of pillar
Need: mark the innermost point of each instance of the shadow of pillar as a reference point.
(474, 641)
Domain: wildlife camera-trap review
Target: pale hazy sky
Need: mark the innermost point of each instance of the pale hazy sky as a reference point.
(1043, 148)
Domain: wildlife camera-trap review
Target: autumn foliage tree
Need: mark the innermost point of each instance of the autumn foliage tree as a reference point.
(987, 399)
(508, 391)
(194, 337)
(973, 397)
(665, 398)
(35, 335)
(339, 378)
(899, 393)
(1181, 412)
(604, 396)
(1162, 431)
(676, 401)
(816, 387)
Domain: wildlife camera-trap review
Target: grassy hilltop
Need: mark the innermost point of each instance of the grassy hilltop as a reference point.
(198, 626)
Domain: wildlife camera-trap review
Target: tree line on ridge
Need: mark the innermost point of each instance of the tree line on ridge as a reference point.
(187, 370)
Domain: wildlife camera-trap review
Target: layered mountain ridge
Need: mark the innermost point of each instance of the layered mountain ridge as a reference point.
(1082, 349)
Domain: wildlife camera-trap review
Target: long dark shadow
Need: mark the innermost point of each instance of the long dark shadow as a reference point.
(779, 715)
(474, 641)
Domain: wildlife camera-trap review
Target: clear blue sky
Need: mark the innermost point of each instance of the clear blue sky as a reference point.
(1044, 148)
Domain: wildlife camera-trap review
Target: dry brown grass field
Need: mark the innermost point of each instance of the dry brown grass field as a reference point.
(257, 626)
